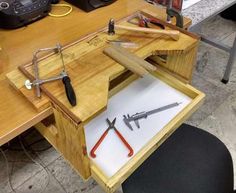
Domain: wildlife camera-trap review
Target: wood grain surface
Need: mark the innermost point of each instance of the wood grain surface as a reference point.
(174, 34)
(69, 140)
(90, 69)
(18, 45)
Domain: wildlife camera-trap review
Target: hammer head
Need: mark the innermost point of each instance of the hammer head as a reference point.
(111, 27)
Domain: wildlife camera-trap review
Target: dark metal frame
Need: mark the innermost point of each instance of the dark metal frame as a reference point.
(230, 50)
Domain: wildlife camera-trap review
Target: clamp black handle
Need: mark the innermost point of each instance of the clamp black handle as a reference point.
(179, 17)
(70, 93)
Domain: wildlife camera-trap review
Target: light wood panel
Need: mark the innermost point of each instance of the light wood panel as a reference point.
(178, 64)
(68, 138)
(18, 46)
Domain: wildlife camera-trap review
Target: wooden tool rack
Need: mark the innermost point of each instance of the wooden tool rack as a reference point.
(96, 78)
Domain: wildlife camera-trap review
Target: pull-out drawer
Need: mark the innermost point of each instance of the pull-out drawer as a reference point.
(112, 165)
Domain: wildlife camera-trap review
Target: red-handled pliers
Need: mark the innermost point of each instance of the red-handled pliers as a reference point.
(111, 125)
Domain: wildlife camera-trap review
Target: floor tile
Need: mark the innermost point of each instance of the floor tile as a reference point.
(229, 39)
(41, 182)
(218, 28)
(222, 122)
(212, 61)
(40, 146)
(214, 95)
(21, 169)
(4, 186)
(48, 156)
(197, 118)
(69, 179)
(211, 66)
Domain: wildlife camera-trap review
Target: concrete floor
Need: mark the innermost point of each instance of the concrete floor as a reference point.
(217, 116)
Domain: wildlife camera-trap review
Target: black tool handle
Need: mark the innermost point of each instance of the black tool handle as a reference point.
(70, 93)
(179, 17)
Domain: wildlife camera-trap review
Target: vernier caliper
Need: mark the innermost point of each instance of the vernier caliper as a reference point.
(143, 115)
(63, 76)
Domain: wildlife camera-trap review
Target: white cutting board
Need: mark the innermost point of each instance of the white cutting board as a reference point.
(143, 94)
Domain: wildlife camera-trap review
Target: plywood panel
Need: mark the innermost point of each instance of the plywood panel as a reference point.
(68, 138)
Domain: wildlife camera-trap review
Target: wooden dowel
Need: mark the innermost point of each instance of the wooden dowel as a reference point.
(135, 58)
(174, 34)
(125, 61)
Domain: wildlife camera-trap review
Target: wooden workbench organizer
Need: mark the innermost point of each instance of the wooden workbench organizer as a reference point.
(96, 79)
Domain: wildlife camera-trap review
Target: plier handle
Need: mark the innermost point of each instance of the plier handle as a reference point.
(111, 126)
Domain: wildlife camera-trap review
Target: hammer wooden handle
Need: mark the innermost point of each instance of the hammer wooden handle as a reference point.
(133, 57)
(174, 34)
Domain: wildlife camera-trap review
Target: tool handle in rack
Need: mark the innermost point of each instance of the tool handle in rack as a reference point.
(174, 34)
(70, 93)
(131, 151)
(92, 152)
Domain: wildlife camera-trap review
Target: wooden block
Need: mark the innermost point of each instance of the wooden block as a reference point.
(68, 138)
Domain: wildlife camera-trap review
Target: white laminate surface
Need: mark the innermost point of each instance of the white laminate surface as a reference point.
(143, 94)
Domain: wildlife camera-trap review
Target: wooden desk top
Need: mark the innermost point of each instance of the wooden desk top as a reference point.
(16, 113)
